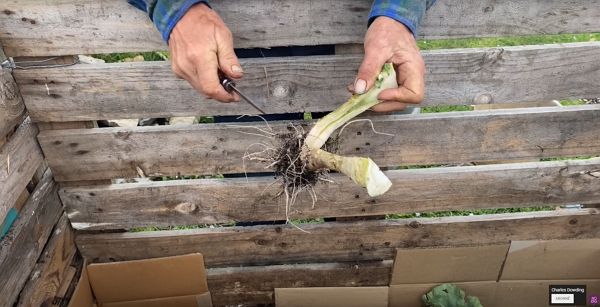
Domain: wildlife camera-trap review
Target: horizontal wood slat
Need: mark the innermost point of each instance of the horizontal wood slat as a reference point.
(192, 202)
(316, 83)
(19, 160)
(22, 246)
(35, 27)
(51, 270)
(337, 241)
(239, 286)
(455, 137)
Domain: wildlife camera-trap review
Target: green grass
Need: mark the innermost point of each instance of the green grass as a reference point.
(142, 229)
(119, 57)
(507, 41)
(467, 212)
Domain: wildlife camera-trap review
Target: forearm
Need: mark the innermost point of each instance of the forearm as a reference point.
(165, 13)
(408, 12)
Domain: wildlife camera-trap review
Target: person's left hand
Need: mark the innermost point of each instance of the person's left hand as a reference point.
(389, 41)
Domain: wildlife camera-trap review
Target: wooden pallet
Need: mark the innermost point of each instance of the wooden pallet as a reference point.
(103, 219)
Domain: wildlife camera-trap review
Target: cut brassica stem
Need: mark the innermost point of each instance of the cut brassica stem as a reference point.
(356, 105)
(362, 171)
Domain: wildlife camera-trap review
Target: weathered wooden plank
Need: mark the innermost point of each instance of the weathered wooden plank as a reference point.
(64, 297)
(21, 200)
(32, 28)
(70, 273)
(73, 125)
(19, 160)
(51, 270)
(337, 241)
(23, 244)
(192, 202)
(455, 137)
(299, 84)
(12, 108)
(250, 286)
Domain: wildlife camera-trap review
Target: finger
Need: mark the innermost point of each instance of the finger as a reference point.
(228, 61)
(369, 70)
(411, 87)
(207, 79)
(388, 106)
(351, 89)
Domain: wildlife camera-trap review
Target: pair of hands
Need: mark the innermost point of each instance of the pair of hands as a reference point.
(201, 45)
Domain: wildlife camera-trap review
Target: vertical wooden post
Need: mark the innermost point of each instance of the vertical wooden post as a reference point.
(12, 114)
(12, 108)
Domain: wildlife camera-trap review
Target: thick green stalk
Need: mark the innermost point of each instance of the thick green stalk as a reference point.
(362, 171)
(319, 134)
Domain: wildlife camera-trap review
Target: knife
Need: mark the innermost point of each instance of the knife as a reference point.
(229, 86)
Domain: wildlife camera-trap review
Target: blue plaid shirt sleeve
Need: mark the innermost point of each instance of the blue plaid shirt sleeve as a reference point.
(408, 12)
(166, 13)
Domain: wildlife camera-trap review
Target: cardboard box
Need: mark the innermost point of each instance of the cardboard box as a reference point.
(519, 274)
(332, 297)
(161, 282)
(516, 275)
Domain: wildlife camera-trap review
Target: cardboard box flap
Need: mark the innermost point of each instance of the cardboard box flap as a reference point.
(148, 279)
(332, 297)
(179, 301)
(555, 259)
(83, 296)
(444, 265)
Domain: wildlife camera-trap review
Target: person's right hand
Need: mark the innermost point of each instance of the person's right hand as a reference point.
(200, 46)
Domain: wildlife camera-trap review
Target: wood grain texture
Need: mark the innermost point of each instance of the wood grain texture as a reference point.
(192, 202)
(22, 246)
(37, 27)
(21, 200)
(73, 125)
(12, 108)
(455, 137)
(315, 83)
(337, 241)
(51, 270)
(19, 160)
(70, 273)
(255, 285)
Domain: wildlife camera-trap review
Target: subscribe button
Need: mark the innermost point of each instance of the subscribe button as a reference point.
(559, 299)
(573, 295)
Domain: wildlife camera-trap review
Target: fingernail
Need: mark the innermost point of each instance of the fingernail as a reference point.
(360, 86)
(237, 69)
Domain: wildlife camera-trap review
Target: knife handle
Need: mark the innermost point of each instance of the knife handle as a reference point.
(227, 83)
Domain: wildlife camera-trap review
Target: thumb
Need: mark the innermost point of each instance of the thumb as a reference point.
(228, 61)
(368, 71)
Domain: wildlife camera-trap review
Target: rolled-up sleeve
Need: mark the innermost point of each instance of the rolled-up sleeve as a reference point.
(408, 12)
(165, 13)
